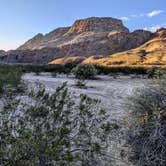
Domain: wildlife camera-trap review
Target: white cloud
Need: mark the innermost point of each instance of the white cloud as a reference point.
(137, 15)
(125, 18)
(133, 15)
(142, 15)
(155, 27)
(152, 28)
(154, 13)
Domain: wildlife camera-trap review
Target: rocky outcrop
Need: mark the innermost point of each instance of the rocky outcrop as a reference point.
(82, 30)
(161, 33)
(95, 24)
(107, 44)
(86, 37)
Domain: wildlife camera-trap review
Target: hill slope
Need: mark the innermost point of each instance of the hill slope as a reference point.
(152, 52)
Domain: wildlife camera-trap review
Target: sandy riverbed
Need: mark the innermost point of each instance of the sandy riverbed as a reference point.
(112, 92)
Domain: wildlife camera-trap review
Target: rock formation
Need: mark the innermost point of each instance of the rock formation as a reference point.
(86, 37)
(95, 24)
(152, 52)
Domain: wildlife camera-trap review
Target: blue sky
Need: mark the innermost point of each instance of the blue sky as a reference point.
(22, 19)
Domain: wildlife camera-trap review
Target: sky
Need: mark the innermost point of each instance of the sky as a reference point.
(20, 20)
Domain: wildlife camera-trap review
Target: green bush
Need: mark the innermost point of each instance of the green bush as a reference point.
(122, 69)
(54, 130)
(10, 76)
(36, 68)
(85, 71)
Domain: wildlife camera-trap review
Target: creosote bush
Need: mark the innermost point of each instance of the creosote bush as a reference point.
(85, 71)
(54, 130)
(147, 125)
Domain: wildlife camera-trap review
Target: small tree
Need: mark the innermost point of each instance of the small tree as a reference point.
(85, 71)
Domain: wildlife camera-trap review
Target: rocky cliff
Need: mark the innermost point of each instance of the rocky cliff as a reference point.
(95, 24)
(151, 53)
(89, 29)
(86, 37)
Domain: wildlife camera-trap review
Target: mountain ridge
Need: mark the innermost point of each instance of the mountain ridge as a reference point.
(65, 34)
(94, 36)
(152, 52)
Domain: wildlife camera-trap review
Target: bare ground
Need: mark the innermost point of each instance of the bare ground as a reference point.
(112, 92)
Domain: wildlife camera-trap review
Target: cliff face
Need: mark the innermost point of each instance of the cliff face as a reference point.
(95, 24)
(82, 30)
(86, 37)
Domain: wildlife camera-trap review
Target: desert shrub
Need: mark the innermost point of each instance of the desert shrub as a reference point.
(36, 68)
(80, 83)
(147, 125)
(122, 69)
(156, 72)
(9, 76)
(114, 75)
(142, 54)
(85, 71)
(72, 65)
(54, 130)
(46, 68)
